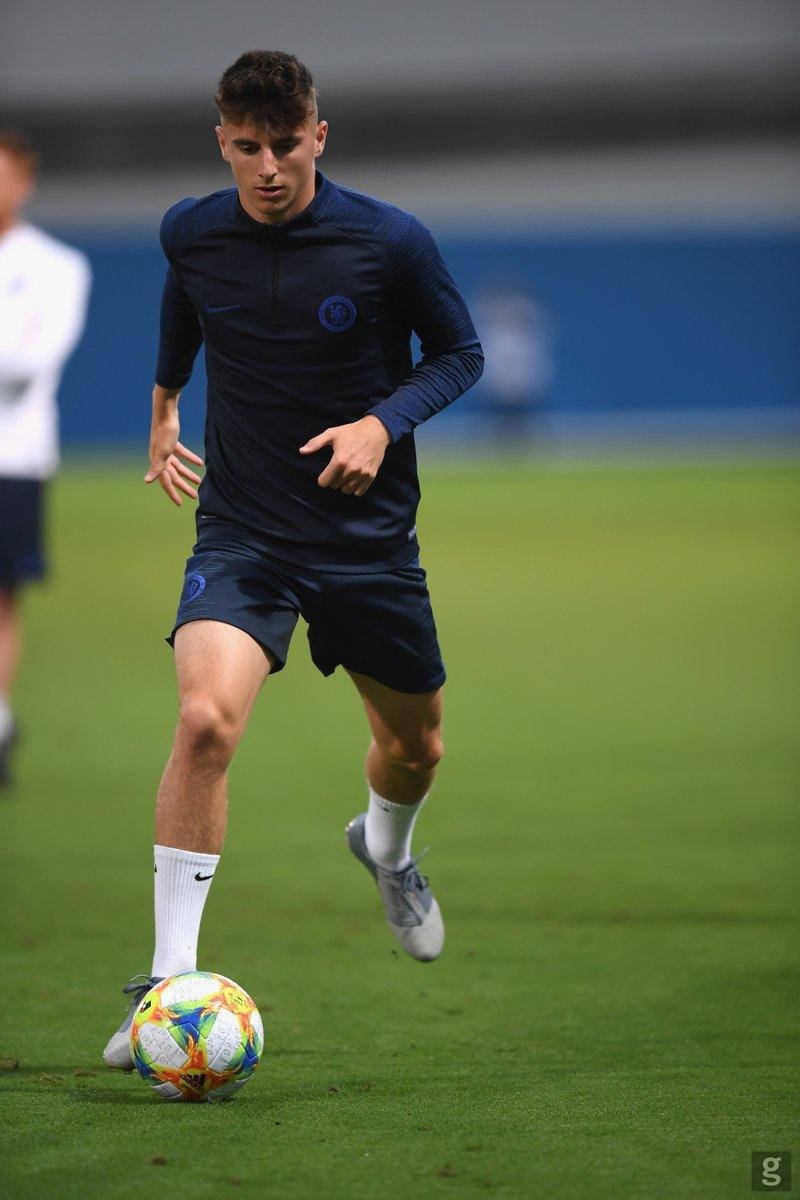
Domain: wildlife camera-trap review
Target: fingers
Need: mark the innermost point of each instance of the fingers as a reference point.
(345, 471)
(156, 467)
(172, 484)
(332, 476)
(188, 454)
(342, 477)
(179, 476)
(182, 486)
(356, 487)
(183, 470)
(174, 477)
(168, 484)
(316, 443)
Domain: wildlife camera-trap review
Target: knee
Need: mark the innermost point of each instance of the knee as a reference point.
(419, 755)
(206, 729)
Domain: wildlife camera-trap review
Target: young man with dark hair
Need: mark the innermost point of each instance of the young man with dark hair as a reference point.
(305, 294)
(44, 289)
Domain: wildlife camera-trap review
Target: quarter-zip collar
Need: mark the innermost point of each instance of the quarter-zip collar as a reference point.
(303, 220)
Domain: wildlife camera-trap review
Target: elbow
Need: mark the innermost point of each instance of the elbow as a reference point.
(476, 362)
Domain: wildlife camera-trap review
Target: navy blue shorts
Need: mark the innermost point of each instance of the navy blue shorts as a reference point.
(21, 553)
(376, 623)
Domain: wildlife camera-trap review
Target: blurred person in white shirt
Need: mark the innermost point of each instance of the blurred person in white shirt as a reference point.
(517, 338)
(44, 289)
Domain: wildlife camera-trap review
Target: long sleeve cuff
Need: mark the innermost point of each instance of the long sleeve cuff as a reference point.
(436, 381)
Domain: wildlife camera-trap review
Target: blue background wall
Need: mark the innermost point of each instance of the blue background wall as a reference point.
(646, 324)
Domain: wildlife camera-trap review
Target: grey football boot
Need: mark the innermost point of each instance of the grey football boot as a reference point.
(411, 909)
(117, 1053)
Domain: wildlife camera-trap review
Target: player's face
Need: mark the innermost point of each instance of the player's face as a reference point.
(274, 172)
(16, 185)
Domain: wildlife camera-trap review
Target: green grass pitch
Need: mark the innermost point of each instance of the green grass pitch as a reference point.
(614, 844)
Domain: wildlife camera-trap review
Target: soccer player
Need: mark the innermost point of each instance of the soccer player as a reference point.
(44, 288)
(305, 294)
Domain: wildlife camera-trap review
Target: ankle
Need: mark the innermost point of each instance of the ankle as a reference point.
(388, 830)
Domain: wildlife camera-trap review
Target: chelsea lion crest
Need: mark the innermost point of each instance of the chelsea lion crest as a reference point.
(337, 313)
(194, 584)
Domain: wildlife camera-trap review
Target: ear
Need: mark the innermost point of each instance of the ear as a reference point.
(220, 132)
(321, 134)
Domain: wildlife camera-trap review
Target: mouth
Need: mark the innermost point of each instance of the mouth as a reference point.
(269, 192)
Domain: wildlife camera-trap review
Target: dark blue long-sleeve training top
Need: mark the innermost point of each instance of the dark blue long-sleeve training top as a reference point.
(307, 325)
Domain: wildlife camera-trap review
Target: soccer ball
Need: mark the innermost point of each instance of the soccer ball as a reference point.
(196, 1036)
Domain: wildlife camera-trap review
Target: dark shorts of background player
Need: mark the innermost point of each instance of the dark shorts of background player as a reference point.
(375, 623)
(21, 523)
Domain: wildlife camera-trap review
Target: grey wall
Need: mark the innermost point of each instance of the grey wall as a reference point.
(546, 112)
(92, 49)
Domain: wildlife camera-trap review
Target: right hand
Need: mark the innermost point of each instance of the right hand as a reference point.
(166, 453)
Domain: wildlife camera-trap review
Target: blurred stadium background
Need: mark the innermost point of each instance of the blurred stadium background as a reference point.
(615, 827)
(634, 166)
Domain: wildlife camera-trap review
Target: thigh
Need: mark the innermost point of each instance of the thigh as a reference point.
(380, 625)
(236, 587)
(408, 718)
(221, 665)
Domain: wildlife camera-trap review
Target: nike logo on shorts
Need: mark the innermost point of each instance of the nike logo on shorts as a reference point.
(220, 308)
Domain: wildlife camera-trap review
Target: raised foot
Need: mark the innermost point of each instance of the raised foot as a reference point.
(412, 912)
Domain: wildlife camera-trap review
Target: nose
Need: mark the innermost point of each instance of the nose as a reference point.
(267, 167)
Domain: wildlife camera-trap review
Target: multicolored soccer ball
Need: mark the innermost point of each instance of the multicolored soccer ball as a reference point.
(196, 1036)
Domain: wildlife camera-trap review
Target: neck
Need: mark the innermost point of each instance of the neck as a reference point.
(7, 223)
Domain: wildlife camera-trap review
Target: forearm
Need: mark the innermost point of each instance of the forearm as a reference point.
(436, 381)
(164, 422)
(165, 403)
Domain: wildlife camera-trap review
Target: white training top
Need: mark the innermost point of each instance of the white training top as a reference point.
(44, 290)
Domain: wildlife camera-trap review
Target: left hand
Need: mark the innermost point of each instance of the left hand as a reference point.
(358, 450)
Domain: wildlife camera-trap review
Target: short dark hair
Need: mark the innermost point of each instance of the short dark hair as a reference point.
(267, 87)
(17, 146)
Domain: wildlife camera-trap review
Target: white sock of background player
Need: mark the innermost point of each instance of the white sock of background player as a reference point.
(6, 718)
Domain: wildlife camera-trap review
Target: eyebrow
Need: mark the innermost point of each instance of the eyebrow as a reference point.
(289, 137)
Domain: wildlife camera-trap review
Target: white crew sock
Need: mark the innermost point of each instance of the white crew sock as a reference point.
(388, 830)
(6, 718)
(182, 880)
